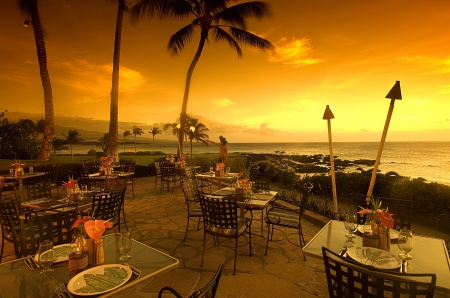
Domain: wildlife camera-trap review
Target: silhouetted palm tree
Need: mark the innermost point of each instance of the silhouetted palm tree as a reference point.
(30, 9)
(103, 142)
(195, 131)
(113, 146)
(126, 134)
(73, 137)
(155, 131)
(136, 131)
(174, 126)
(58, 145)
(205, 13)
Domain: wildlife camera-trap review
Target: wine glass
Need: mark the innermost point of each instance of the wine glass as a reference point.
(46, 256)
(350, 224)
(405, 244)
(125, 245)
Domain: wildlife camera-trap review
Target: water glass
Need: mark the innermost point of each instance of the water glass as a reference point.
(405, 244)
(350, 224)
(46, 256)
(30, 169)
(84, 190)
(125, 245)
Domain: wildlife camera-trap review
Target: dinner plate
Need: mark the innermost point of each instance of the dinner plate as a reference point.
(375, 257)
(61, 252)
(99, 280)
(393, 234)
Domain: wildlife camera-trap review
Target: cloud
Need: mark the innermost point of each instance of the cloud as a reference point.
(438, 64)
(85, 76)
(364, 130)
(263, 130)
(293, 53)
(224, 102)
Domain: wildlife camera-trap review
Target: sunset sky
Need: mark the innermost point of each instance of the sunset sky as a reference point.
(347, 54)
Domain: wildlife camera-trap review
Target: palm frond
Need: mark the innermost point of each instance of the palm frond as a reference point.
(220, 34)
(161, 8)
(180, 38)
(236, 15)
(250, 39)
(126, 8)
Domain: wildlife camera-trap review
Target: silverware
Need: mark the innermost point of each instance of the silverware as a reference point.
(31, 263)
(135, 271)
(62, 291)
(343, 252)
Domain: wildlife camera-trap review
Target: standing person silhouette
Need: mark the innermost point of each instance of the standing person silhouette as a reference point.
(223, 153)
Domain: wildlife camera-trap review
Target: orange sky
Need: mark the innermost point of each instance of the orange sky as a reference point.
(347, 54)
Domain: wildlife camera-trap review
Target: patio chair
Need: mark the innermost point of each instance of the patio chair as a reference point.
(39, 190)
(283, 216)
(194, 210)
(29, 231)
(346, 278)
(208, 291)
(168, 176)
(107, 206)
(220, 219)
(83, 179)
(158, 172)
(402, 211)
(128, 166)
(8, 209)
(118, 184)
(91, 167)
(2, 182)
(261, 184)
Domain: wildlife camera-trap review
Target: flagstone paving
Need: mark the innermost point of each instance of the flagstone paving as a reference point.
(159, 220)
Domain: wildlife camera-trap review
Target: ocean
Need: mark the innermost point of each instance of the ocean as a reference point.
(429, 160)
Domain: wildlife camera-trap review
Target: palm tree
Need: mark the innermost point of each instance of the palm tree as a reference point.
(103, 142)
(205, 13)
(113, 147)
(136, 131)
(126, 134)
(30, 9)
(155, 131)
(196, 131)
(58, 145)
(73, 137)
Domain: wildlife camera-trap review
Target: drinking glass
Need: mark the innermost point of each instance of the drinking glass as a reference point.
(211, 171)
(405, 244)
(46, 256)
(84, 190)
(350, 224)
(125, 245)
(227, 170)
(30, 169)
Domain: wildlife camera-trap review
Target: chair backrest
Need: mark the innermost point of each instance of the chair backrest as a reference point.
(158, 168)
(115, 184)
(190, 190)
(168, 172)
(39, 190)
(82, 178)
(262, 182)
(107, 206)
(348, 279)
(21, 194)
(2, 182)
(91, 167)
(401, 210)
(8, 209)
(127, 165)
(219, 212)
(28, 232)
(190, 172)
(209, 291)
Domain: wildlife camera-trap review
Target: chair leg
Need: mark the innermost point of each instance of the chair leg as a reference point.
(187, 227)
(235, 256)
(156, 181)
(268, 235)
(3, 245)
(132, 186)
(124, 220)
(203, 253)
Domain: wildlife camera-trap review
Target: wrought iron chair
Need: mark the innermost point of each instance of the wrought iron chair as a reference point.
(128, 166)
(280, 215)
(220, 219)
(82, 178)
(158, 172)
(39, 190)
(107, 206)
(91, 167)
(208, 291)
(8, 209)
(261, 184)
(2, 182)
(29, 231)
(168, 176)
(194, 210)
(346, 278)
(118, 184)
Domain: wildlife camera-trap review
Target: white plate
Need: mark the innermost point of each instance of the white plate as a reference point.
(61, 252)
(374, 257)
(393, 234)
(99, 280)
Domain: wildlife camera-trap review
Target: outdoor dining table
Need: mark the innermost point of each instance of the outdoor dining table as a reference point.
(26, 175)
(17, 280)
(211, 176)
(57, 202)
(429, 255)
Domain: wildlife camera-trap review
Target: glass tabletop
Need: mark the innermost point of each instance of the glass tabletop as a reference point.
(429, 255)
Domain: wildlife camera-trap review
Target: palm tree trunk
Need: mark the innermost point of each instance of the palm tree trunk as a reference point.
(135, 143)
(124, 142)
(71, 151)
(203, 37)
(46, 84)
(113, 148)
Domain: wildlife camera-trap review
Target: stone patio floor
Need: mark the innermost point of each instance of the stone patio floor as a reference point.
(159, 220)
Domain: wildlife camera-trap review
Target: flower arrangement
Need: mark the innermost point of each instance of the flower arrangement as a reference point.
(93, 227)
(70, 183)
(106, 161)
(17, 164)
(381, 215)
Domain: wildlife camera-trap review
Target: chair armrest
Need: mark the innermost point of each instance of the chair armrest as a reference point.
(170, 290)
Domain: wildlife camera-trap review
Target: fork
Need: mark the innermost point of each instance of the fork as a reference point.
(62, 289)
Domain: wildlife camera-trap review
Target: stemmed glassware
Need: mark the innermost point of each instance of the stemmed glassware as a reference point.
(125, 245)
(350, 224)
(46, 256)
(405, 244)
